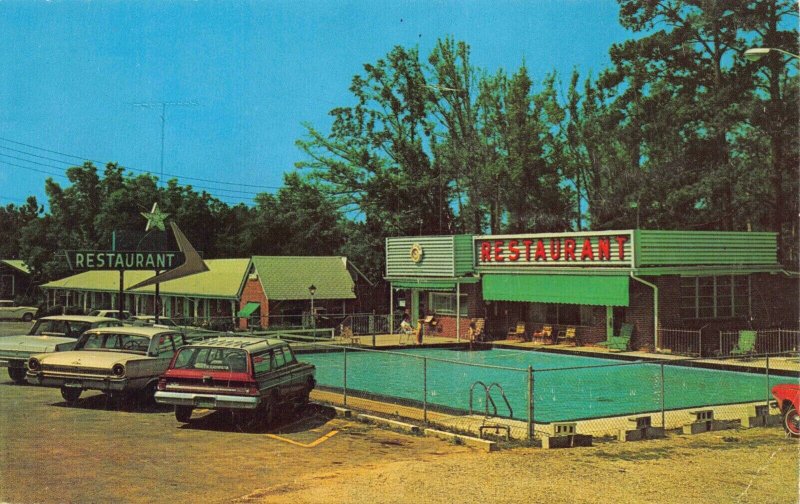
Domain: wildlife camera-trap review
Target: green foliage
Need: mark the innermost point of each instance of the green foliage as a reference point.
(680, 132)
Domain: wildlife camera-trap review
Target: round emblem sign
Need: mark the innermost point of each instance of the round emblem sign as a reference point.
(416, 252)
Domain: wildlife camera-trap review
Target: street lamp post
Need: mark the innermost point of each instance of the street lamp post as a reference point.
(312, 289)
(756, 53)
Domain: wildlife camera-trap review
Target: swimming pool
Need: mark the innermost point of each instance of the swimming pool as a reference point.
(566, 387)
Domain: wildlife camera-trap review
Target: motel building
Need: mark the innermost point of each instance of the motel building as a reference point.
(656, 281)
(244, 293)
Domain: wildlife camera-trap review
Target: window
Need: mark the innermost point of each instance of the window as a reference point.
(261, 362)
(278, 360)
(165, 348)
(724, 296)
(444, 303)
(565, 314)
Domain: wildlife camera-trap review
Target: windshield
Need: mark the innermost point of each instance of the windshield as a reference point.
(50, 327)
(215, 359)
(115, 342)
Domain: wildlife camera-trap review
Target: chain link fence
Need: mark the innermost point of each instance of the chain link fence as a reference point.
(467, 394)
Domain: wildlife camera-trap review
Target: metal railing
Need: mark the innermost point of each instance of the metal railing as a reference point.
(681, 341)
(768, 341)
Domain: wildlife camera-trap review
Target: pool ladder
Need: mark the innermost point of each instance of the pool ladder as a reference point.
(496, 427)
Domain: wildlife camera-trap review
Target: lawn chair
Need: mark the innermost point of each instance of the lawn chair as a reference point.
(517, 333)
(621, 342)
(746, 344)
(477, 329)
(544, 336)
(568, 335)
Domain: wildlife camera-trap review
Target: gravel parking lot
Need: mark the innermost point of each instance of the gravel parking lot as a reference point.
(97, 452)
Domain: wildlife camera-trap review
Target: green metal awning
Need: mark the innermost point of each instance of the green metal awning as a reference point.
(447, 284)
(602, 290)
(248, 309)
(424, 284)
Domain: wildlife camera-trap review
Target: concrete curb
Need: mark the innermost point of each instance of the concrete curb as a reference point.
(406, 427)
(474, 442)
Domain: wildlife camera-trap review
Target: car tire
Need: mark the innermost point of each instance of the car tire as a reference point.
(27, 317)
(270, 406)
(244, 420)
(183, 414)
(71, 395)
(791, 422)
(17, 375)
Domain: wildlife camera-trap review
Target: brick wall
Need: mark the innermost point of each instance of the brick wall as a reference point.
(640, 314)
(254, 293)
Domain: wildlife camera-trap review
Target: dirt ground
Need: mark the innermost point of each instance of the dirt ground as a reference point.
(97, 452)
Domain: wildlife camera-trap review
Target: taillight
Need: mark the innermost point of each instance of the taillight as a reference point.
(34, 364)
(252, 389)
(162, 384)
(118, 370)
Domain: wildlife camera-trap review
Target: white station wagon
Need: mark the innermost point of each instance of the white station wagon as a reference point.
(114, 360)
(49, 334)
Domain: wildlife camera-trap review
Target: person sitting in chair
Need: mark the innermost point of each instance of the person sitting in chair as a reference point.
(405, 325)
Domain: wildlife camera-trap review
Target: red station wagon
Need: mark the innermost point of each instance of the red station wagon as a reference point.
(250, 377)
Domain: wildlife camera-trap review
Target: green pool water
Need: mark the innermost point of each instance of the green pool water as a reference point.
(565, 387)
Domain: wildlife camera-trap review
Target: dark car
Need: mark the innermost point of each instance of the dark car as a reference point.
(248, 376)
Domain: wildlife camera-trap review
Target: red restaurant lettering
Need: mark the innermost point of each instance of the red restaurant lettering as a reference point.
(621, 241)
(540, 254)
(486, 251)
(512, 247)
(586, 252)
(498, 251)
(527, 250)
(604, 249)
(569, 249)
(555, 250)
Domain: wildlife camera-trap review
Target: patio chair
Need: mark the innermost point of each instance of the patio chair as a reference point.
(517, 333)
(478, 325)
(746, 344)
(544, 336)
(621, 342)
(568, 335)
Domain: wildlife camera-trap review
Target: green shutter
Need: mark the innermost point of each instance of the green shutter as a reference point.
(424, 284)
(572, 289)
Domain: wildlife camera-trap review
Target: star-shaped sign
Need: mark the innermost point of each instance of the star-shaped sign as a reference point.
(155, 218)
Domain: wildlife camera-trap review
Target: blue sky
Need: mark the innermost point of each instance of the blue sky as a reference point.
(71, 72)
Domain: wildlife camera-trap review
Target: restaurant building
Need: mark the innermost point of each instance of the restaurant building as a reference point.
(594, 281)
(244, 293)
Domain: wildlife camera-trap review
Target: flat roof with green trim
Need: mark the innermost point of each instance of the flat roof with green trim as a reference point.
(287, 278)
(224, 280)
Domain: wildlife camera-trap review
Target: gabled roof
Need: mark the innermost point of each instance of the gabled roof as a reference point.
(17, 264)
(224, 280)
(288, 278)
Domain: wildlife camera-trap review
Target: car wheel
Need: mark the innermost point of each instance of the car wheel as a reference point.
(71, 395)
(183, 413)
(27, 317)
(17, 374)
(791, 422)
(147, 397)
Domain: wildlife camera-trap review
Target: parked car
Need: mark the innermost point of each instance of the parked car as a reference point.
(49, 334)
(8, 310)
(250, 377)
(788, 397)
(115, 360)
(111, 313)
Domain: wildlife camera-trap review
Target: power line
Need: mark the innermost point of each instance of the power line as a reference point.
(86, 158)
(236, 191)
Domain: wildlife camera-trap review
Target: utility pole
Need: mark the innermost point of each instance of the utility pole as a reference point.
(163, 105)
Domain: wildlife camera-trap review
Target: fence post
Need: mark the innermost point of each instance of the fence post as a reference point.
(720, 343)
(530, 404)
(344, 383)
(768, 390)
(663, 402)
(373, 329)
(700, 350)
(425, 390)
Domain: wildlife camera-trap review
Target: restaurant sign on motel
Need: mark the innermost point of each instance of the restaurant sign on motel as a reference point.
(589, 249)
